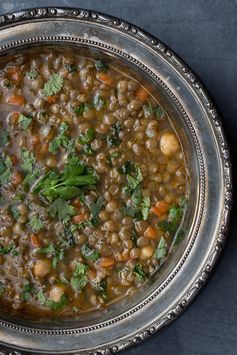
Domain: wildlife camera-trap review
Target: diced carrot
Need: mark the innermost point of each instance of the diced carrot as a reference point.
(160, 208)
(79, 218)
(14, 73)
(14, 118)
(16, 178)
(107, 79)
(76, 203)
(44, 148)
(35, 139)
(142, 94)
(16, 100)
(106, 262)
(91, 274)
(52, 99)
(34, 238)
(13, 159)
(151, 233)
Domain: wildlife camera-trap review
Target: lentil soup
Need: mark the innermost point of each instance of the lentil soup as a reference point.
(92, 180)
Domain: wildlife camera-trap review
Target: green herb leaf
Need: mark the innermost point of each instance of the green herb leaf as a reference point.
(87, 149)
(79, 278)
(113, 139)
(36, 223)
(2, 289)
(89, 253)
(28, 160)
(71, 68)
(145, 207)
(99, 102)
(56, 306)
(79, 110)
(95, 207)
(27, 291)
(56, 252)
(139, 273)
(15, 212)
(101, 65)
(161, 249)
(41, 297)
(11, 248)
(157, 111)
(62, 210)
(134, 237)
(127, 168)
(87, 137)
(24, 121)
(101, 287)
(174, 218)
(4, 138)
(5, 170)
(32, 74)
(8, 84)
(61, 140)
(53, 85)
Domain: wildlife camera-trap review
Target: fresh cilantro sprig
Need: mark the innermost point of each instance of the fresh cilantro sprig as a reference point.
(62, 210)
(89, 253)
(32, 74)
(56, 252)
(68, 184)
(55, 306)
(36, 223)
(139, 273)
(171, 225)
(24, 121)
(157, 111)
(101, 65)
(161, 249)
(4, 138)
(112, 138)
(5, 169)
(79, 278)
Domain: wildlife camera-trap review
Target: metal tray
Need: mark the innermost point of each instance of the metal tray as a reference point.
(196, 120)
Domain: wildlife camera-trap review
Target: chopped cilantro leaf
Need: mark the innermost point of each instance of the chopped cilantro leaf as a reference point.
(139, 273)
(56, 306)
(79, 110)
(5, 170)
(89, 253)
(2, 289)
(79, 278)
(62, 210)
(4, 137)
(87, 137)
(15, 212)
(32, 74)
(99, 102)
(8, 84)
(27, 291)
(101, 65)
(56, 252)
(24, 121)
(61, 140)
(28, 160)
(71, 68)
(161, 250)
(53, 85)
(36, 223)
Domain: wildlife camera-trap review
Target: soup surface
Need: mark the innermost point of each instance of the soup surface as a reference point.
(92, 182)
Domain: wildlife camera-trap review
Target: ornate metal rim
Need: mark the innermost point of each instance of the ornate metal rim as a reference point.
(156, 45)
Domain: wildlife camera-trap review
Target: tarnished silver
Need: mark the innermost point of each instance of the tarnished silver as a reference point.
(196, 120)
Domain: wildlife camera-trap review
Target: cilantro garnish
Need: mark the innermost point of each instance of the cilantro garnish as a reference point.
(4, 137)
(101, 65)
(82, 108)
(67, 184)
(61, 140)
(99, 102)
(55, 306)
(28, 160)
(5, 170)
(71, 68)
(79, 278)
(112, 138)
(32, 74)
(139, 273)
(157, 111)
(11, 248)
(27, 291)
(36, 223)
(89, 253)
(53, 85)
(62, 210)
(24, 121)
(56, 252)
(87, 137)
(161, 250)
(174, 218)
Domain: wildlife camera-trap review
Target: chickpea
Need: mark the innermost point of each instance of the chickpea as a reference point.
(56, 292)
(42, 267)
(146, 252)
(169, 144)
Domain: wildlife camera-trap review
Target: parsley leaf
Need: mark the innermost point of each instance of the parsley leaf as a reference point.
(145, 207)
(113, 139)
(79, 278)
(161, 250)
(127, 168)
(157, 111)
(139, 273)
(24, 121)
(71, 68)
(56, 252)
(32, 74)
(57, 306)
(82, 108)
(15, 212)
(89, 253)
(61, 209)
(174, 218)
(61, 140)
(53, 85)
(87, 137)
(28, 160)
(67, 184)
(4, 137)
(36, 223)
(99, 102)
(27, 291)
(11, 248)
(5, 170)
(101, 65)
(8, 84)
(101, 287)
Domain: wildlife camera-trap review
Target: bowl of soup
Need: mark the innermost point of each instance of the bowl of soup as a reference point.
(114, 183)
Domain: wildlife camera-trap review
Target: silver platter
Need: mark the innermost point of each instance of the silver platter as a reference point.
(196, 120)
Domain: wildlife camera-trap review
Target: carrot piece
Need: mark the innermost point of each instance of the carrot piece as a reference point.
(14, 159)
(142, 94)
(107, 79)
(16, 178)
(160, 208)
(51, 99)
(14, 73)
(76, 203)
(16, 100)
(79, 218)
(34, 238)
(106, 262)
(151, 233)
(91, 274)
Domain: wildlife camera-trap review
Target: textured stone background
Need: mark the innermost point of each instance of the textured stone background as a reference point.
(204, 34)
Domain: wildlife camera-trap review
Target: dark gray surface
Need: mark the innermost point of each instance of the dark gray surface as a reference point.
(204, 34)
